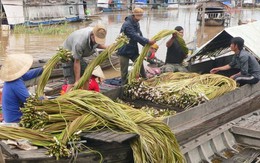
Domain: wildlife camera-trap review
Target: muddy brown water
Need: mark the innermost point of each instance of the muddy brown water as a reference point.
(44, 46)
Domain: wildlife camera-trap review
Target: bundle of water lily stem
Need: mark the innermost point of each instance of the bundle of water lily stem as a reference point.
(179, 89)
(56, 123)
(183, 90)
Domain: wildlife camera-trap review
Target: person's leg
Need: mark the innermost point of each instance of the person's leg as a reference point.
(142, 70)
(181, 68)
(83, 66)
(167, 68)
(242, 80)
(68, 73)
(124, 63)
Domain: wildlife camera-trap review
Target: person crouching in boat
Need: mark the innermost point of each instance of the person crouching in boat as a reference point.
(97, 74)
(151, 56)
(152, 67)
(14, 72)
(249, 68)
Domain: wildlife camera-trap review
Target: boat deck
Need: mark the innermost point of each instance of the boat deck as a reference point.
(237, 141)
(113, 146)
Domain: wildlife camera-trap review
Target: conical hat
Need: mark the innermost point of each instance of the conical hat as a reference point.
(15, 66)
(98, 72)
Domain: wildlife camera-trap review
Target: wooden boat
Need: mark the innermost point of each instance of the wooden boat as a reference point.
(214, 13)
(195, 129)
(235, 141)
(240, 22)
(222, 129)
(110, 5)
(216, 52)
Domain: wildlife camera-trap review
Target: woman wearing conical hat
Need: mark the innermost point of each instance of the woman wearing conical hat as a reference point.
(14, 72)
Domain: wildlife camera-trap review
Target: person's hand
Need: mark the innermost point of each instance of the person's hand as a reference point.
(43, 97)
(151, 42)
(174, 35)
(232, 77)
(214, 70)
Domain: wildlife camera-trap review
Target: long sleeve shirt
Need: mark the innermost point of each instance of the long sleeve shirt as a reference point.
(132, 30)
(14, 95)
(247, 64)
(93, 85)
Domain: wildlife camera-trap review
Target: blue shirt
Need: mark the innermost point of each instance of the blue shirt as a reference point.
(14, 94)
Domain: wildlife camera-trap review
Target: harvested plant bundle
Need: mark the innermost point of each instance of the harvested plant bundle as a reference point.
(138, 63)
(95, 111)
(35, 137)
(153, 130)
(120, 41)
(183, 90)
(62, 55)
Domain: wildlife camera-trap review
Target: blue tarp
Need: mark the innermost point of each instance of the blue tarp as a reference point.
(141, 1)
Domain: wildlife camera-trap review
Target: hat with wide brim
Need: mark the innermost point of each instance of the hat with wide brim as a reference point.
(15, 66)
(100, 33)
(98, 72)
(138, 12)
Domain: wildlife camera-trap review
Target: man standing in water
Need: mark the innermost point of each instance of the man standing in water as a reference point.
(82, 43)
(244, 61)
(131, 28)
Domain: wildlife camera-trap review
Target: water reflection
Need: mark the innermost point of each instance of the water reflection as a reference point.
(153, 21)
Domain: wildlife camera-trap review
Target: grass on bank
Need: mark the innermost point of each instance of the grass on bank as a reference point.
(58, 29)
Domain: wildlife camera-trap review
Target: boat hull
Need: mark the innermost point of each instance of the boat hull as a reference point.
(214, 22)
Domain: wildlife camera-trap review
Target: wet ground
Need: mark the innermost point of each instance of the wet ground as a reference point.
(44, 46)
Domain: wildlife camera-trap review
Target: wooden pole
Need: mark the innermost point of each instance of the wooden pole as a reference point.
(203, 19)
(1, 13)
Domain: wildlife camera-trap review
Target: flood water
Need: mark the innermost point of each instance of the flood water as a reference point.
(42, 46)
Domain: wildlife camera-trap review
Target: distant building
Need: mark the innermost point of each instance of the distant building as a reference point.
(35, 12)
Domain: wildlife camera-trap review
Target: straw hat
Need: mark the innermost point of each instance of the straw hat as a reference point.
(138, 12)
(100, 33)
(98, 72)
(155, 46)
(15, 66)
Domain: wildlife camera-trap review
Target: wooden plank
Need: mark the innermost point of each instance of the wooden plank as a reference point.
(111, 153)
(7, 151)
(108, 136)
(112, 138)
(1, 156)
(245, 132)
(248, 141)
(126, 137)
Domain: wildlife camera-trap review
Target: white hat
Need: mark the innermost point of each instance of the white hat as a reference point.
(15, 66)
(98, 72)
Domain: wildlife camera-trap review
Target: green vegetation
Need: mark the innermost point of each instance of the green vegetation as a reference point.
(58, 29)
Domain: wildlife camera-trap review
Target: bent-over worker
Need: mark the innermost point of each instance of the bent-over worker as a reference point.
(14, 72)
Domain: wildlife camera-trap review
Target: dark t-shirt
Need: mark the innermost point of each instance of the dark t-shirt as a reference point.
(175, 54)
